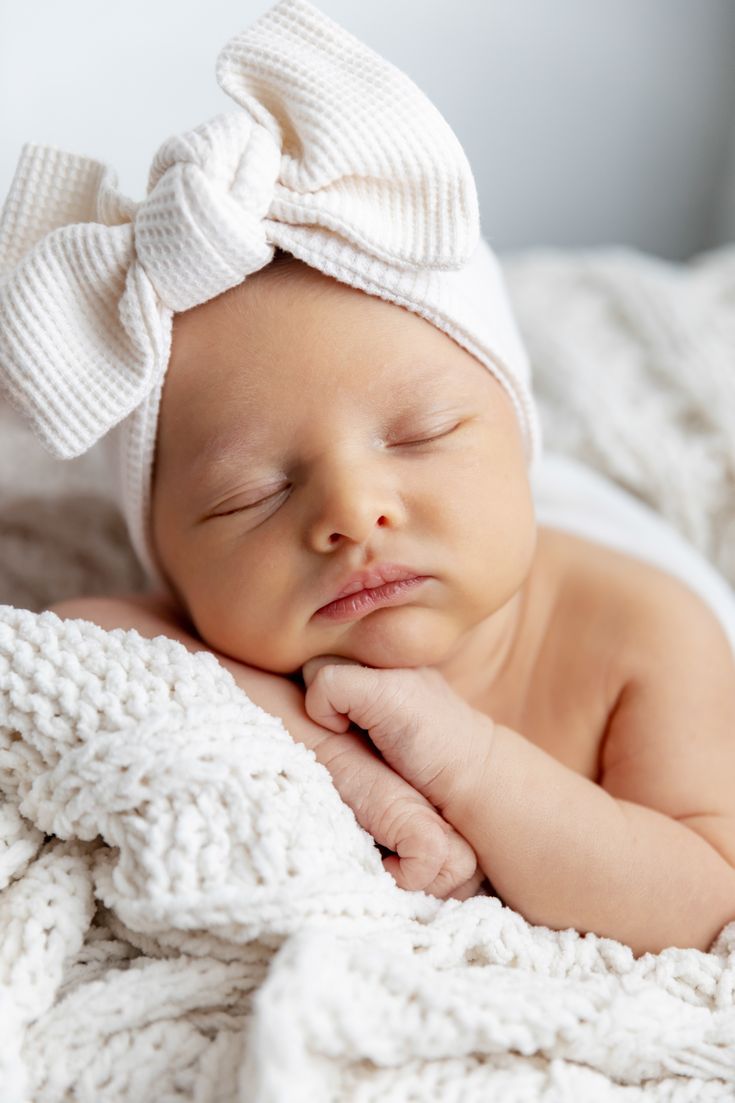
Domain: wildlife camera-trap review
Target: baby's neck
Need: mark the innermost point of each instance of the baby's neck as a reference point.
(496, 658)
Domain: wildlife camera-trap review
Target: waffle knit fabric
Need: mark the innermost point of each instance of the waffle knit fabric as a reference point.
(332, 155)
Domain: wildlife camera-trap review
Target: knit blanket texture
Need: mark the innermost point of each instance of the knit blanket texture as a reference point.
(188, 911)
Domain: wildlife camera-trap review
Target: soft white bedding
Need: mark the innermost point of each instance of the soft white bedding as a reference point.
(187, 909)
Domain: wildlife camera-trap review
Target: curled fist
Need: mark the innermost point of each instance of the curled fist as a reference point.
(418, 736)
(424, 730)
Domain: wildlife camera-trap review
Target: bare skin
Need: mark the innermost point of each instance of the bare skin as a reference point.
(308, 431)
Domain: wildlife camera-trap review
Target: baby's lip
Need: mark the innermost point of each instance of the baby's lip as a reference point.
(371, 577)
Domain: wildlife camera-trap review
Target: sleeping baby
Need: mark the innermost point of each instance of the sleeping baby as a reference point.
(324, 429)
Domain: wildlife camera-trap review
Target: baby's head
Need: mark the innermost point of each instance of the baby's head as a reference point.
(308, 431)
(366, 404)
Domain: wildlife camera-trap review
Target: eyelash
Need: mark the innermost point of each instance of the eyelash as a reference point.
(427, 440)
(399, 444)
(251, 505)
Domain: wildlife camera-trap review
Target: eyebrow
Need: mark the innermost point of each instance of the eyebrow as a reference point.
(246, 442)
(232, 444)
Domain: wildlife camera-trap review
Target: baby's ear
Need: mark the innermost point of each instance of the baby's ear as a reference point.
(309, 669)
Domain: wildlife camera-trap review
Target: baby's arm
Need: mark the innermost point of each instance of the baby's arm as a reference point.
(429, 853)
(647, 856)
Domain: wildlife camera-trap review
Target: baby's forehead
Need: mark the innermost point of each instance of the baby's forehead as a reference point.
(298, 348)
(294, 324)
(243, 386)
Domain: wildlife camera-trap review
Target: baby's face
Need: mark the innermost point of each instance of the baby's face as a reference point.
(308, 431)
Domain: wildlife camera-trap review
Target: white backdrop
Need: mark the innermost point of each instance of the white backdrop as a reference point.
(587, 121)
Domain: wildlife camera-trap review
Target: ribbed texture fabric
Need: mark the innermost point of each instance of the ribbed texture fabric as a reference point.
(333, 154)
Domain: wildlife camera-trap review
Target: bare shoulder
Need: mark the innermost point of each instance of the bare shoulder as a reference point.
(669, 683)
(669, 740)
(150, 614)
(643, 610)
(620, 622)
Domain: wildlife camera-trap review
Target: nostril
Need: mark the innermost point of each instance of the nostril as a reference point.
(335, 537)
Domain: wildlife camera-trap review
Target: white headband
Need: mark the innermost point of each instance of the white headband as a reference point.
(334, 155)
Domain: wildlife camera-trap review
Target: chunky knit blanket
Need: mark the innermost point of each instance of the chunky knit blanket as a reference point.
(187, 909)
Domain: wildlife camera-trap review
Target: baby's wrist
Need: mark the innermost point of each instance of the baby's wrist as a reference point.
(471, 782)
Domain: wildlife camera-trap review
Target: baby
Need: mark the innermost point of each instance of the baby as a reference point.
(564, 708)
(340, 510)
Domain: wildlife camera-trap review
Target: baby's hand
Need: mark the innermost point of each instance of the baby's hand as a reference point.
(430, 735)
(429, 854)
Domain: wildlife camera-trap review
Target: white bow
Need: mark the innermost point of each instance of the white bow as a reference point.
(331, 144)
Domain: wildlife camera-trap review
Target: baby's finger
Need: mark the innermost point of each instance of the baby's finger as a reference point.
(311, 666)
(476, 886)
(328, 698)
(371, 698)
(421, 849)
(397, 817)
(429, 854)
(460, 876)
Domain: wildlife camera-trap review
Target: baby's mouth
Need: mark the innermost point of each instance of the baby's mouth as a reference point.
(357, 604)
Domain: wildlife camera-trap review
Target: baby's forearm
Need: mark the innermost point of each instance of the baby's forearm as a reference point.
(565, 853)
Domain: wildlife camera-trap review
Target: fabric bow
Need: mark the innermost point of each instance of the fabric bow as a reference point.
(330, 145)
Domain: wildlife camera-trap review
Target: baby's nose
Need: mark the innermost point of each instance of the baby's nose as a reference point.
(351, 505)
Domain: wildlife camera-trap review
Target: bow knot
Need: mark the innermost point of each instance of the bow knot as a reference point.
(333, 150)
(212, 190)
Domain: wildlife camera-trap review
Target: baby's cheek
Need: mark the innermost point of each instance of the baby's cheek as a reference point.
(245, 627)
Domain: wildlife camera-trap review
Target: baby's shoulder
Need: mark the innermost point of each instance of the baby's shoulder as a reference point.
(635, 605)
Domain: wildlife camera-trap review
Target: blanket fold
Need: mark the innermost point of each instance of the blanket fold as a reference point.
(190, 912)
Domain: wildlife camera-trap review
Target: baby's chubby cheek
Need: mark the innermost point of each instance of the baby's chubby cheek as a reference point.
(240, 619)
(230, 607)
(250, 631)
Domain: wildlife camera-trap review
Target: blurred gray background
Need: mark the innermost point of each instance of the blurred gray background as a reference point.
(587, 122)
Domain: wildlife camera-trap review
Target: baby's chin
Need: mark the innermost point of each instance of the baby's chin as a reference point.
(388, 639)
(387, 645)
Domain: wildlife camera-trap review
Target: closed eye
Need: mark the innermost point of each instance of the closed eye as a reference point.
(430, 437)
(252, 505)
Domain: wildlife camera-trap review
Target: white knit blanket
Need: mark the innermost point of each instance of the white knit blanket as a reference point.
(189, 912)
